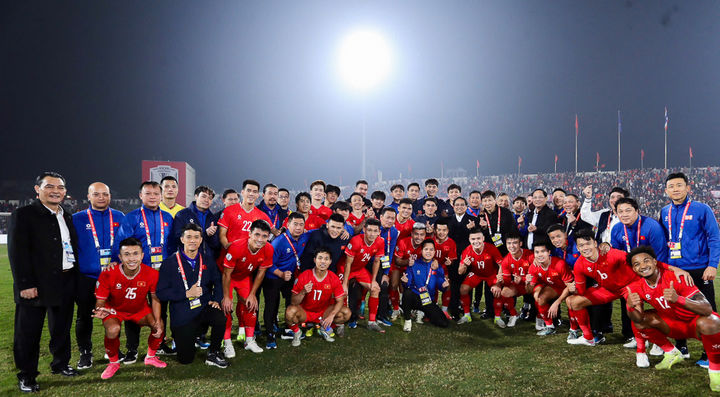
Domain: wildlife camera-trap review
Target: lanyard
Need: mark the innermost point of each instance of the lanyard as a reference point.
(182, 271)
(94, 231)
(427, 281)
(487, 219)
(147, 228)
(682, 221)
(627, 239)
(387, 244)
(475, 214)
(292, 246)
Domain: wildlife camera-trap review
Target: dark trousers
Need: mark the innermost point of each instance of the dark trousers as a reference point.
(184, 335)
(455, 280)
(489, 298)
(354, 294)
(707, 289)
(273, 289)
(85, 301)
(29, 322)
(384, 297)
(601, 318)
(411, 301)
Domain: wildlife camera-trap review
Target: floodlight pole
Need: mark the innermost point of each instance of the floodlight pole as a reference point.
(364, 144)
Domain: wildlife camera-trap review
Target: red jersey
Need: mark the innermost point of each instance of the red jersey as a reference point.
(312, 222)
(244, 262)
(484, 264)
(127, 295)
(321, 212)
(610, 271)
(363, 253)
(557, 274)
(512, 267)
(354, 220)
(324, 291)
(654, 295)
(237, 221)
(405, 249)
(446, 249)
(404, 229)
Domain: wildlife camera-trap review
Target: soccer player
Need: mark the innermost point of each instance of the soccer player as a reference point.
(495, 221)
(332, 193)
(361, 188)
(429, 215)
(681, 312)
(330, 235)
(361, 250)
(343, 209)
(269, 205)
(482, 260)
(407, 248)
(548, 279)
(413, 191)
(446, 254)
(404, 222)
(169, 185)
(317, 297)
(317, 196)
(302, 204)
(235, 220)
(230, 197)
(693, 239)
(398, 193)
(245, 264)
(390, 234)
(422, 282)
(564, 246)
(518, 207)
(514, 267)
(454, 191)
(431, 189)
(377, 198)
(122, 296)
(279, 278)
(357, 215)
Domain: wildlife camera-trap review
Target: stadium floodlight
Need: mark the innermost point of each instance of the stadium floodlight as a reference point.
(364, 60)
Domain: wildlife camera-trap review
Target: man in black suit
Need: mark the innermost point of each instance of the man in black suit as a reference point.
(459, 225)
(41, 246)
(540, 218)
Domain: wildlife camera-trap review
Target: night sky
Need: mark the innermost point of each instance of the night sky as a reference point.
(243, 89)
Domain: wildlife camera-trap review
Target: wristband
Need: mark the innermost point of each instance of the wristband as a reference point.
(630, 309)
(680, 300)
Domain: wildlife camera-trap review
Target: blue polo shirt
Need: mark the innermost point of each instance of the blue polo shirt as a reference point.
(651, 233)
(88, 255)
(700, 242)
(284, 256)
(134, 226)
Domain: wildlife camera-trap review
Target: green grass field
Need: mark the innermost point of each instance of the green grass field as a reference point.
(473, 359)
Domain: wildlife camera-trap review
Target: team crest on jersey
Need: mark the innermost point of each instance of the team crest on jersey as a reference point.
(118, 286)
(589, 269)
(142, 225)
(239, 217)
(243, 259)
(418, 272)
(647, 296)
(288, 250)
(688, 217)
(141, 284)
(88, 226)
(326, 286)
(362, 250)
(192, 220)
(228, 257)
(349, 246)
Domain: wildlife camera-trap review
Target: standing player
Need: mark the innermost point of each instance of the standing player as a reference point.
(122, 296)
(390, 234)
(413, 191)
(245, 258)
(235, 220)
(357, 215)
(317, 195)
(397, 192)
(681, 312)
(514, 269)
(361, 250)
(404, 222)
(318, 297)
(302, 204)
(483, 260)
(406, 249)
(332, 193)
(548, 278)
(445, 254)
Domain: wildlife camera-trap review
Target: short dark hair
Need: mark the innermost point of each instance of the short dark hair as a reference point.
(168, 178)
(640, 249)
(372, 222)
(443, 221)
(301, 195)
(356, 194)
(628, 200)
(405, 201)
(268, 186)
(503, 194)
(559, 189)
(332, 189)
(573, 195)
(321, 250)
(341, 206)
(128, 242)
(397, 186)
(555, 227)
(295, 215)
(584, 234)
(460, 198)
(192, 227)
(454, 186)
(318, 182)
(250, 182)
(386, 209)
(260, 224)
(541, 191)
(204, 189)
(411, 184)
(520, 198)
(426, 242)
(378, 195)
(475, 230)
(676, 175)
(361, 182)
(475, 192)
(432, 181)
(282, 189)
(488, 193)
(432, 200)
(337, 218)
(618, 189)
(543, 242)
(513, 234)
(152, 184)
(45, 174)
(227, 192)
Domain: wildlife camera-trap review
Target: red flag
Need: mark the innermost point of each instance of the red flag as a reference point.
(577, 131)
(691, 156)
(519, 161)
(556, 159)
(477, 164)
(642, 154)
(597, 155)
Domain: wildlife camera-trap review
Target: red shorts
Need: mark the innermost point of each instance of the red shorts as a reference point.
(473, 280)
(242, 286)
(396, 268)
(134, 317)
(362, 276)
(557, 288)
(679, 329)
(313, 317)
(601, 296)
(520, 288)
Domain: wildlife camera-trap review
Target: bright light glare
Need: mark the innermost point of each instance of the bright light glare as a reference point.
(364, 60)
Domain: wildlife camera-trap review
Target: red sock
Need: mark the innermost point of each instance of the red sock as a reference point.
(510, 304)
(373, 307)
(653, 335)
(573, 322)
(711, 343)
(583, 320)
(228, 326)
(249, 318)
(498, 305)
(112, 346)
(446, 298)
(395, 299)
(154, 343)
(465, 299)
(543, 311)
(294, 328)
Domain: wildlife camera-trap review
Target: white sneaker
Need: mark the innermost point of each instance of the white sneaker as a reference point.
(511, 321)
(296, 339)
(582, 341)
(395, 314)
(539, 324)
(631, 344)
(229, 349)
(465, 319)
(251, 345)
(656, 351)
(499, 322)
(641, 360)
(419, 316)
(407, 326)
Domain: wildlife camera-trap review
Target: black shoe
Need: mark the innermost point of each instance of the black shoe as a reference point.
(28, 385)
(66, 371)
(86, 360)
(130, 357)
(216, 358)
(166, 350)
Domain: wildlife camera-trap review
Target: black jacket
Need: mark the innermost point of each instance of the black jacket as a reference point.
(321, 238)
(459, 231)
(36, 253)
(210, 245)
(546, 218)
(507, 224)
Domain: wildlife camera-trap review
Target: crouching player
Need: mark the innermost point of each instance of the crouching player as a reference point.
(422, 283)
(121, 294)
(318, 297)
(548, 278)
(681, 312)
(514, 269)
